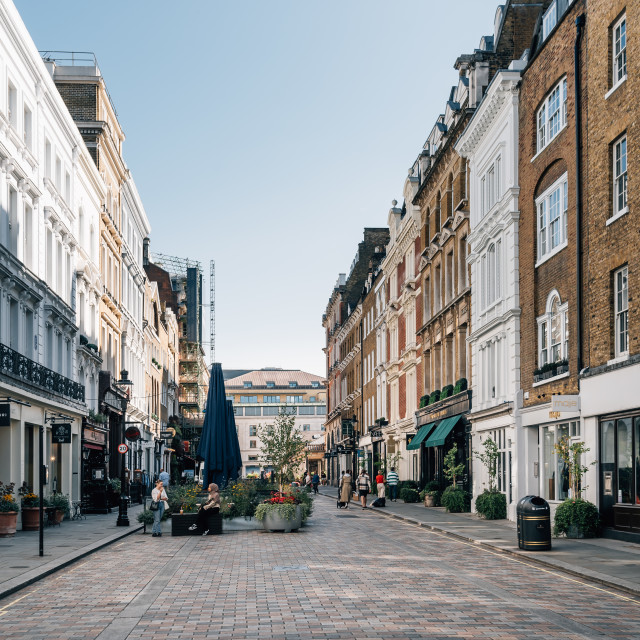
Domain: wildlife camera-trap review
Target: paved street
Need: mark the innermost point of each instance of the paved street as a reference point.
(349, 574)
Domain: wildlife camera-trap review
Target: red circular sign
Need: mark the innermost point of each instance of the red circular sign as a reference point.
(132, 433)
(122, 448)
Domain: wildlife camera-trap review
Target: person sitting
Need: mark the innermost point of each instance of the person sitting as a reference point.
(212, 505)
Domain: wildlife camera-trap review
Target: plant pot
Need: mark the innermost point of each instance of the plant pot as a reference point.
(59, 516)
(30, 518)
(429, 501)
(575, 532)
(273, 521)
(8, 522)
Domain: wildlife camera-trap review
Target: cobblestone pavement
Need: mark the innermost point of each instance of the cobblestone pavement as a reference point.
(349, 574)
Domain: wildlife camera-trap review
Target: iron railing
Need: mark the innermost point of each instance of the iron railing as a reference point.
(18, 366)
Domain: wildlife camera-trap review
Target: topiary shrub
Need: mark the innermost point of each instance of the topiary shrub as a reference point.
(455, 500)
(576, 518)
(492, 505)
(460, 386)
(407, 484)
(424, 401)
(447, 391)
(435, 396)
(409, 495)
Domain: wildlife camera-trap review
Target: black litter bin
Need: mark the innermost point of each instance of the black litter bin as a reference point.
(534, 524)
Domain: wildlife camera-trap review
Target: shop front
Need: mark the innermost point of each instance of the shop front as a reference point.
(95, 458)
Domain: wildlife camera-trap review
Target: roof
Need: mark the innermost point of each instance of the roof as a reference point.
(280, 378)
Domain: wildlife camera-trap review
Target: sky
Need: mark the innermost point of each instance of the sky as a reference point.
(266, 135)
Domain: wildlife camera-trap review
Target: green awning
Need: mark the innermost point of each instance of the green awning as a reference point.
(423, 432)
(437, 438)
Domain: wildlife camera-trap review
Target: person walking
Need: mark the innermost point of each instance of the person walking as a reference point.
(158, 495)
(392, 481)
(315, 481)
(345, 488)
(380, 484)
(164, 476)
(323, 478)
(212, 505)
(364, 486)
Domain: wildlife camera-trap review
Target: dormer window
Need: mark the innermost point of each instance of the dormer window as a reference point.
(270, 384)
(248, 384)
(315, 384)
(292, 384)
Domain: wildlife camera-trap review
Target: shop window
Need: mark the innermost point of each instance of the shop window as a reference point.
(555, 474)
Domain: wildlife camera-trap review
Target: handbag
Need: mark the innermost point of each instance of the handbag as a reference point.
(154, 506)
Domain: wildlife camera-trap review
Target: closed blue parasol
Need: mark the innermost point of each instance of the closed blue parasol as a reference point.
(219, 447)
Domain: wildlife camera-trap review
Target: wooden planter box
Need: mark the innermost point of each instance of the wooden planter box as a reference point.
(180, 524)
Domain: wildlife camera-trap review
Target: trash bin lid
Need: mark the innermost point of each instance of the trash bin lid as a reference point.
(533, 504)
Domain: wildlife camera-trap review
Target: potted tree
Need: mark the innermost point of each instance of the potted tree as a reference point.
(491, 503)
(8, 510)
(453, 498)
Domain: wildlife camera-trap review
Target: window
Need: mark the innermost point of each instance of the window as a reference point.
(555, 474)
(321, 411)
(315, 384)
(306, 411)
(552, 219)
(253, 430)
(620, 50)
(426, 299)
(253, 444)
(312, 398)
(295, 399)
(552, 115)
(247, 384)
(549, 20)
(293, 384)
(270, 411)
(620, 176)
(553, 332)
(621, 311)
(27, 127)
(306, 427)
(248, 399)
(490, 276)
(271, 399)
(253, 458)
(270, 384)
(12, 105)
(252, 411)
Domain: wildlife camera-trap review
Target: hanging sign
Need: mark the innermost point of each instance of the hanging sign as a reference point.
(61, 433)
(166, 434)
(122, 448)
(5, 415)
(132, 433)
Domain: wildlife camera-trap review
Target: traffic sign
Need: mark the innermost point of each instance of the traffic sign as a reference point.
(122, 448)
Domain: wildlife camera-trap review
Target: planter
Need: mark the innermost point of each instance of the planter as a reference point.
(241, 524)
(180, 524)
(273, 521)
(30, 518)
(8, 522)
(575, 532)
(429, 501)
(59, 516)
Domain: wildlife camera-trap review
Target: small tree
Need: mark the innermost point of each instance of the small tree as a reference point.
(451, 469)
(489, 458)
(283, 446)
(571, 455)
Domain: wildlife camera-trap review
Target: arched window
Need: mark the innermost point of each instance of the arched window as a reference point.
(553, 332)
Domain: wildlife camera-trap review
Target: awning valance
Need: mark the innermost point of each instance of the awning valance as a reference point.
(437, 438)
(422, 434)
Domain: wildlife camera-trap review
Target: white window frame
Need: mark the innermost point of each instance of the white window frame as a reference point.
(544, 321)
(548, 127)
(619, 38)
(549, 20)
(620, 167)
(621, 311)
(555, 195)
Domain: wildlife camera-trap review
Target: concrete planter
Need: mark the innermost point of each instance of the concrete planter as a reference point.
(429, 501)
(241, 524)
(273, 521)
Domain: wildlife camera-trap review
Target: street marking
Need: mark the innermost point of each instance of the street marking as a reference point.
(527, 564)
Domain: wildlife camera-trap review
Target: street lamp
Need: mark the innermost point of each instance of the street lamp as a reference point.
(123, 516)
(354, 422)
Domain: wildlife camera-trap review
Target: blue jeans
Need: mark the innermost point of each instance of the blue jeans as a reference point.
(157, 517)
(393, 491)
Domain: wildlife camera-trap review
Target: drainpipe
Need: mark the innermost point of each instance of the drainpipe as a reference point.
(580, 22)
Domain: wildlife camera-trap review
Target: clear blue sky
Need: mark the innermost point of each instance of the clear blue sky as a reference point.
(266, 134)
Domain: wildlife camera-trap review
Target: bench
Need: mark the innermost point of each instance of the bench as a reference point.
(180, 524)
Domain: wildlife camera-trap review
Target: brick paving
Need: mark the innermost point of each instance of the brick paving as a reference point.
(347, 575)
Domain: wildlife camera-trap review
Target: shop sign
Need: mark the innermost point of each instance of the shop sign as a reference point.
(132, 433)
(565, 404)
(410, 437)
(166, 434)
(61, 433)
(5, 415)
(91, 435)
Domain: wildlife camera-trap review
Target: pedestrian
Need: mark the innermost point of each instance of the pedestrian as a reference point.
(307, 481)
(392, 481)
(212, 505)
(345, 488)
(364, 486)
(380, 484)
(323, 478)
(164, 476)
(315, 481)
(158, 495)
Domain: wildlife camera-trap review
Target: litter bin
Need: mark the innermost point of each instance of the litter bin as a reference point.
(534, 524)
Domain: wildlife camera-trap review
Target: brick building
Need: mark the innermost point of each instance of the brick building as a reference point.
(552, 242)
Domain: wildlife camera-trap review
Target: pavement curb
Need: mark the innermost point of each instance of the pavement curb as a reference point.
(30, 577)
(522, 557)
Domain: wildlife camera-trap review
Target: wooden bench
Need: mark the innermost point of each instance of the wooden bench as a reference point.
(180, 524)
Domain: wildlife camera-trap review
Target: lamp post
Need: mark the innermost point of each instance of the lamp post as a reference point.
(354, 422)
(123, 516)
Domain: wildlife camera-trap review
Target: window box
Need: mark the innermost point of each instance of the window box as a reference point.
(551, 370)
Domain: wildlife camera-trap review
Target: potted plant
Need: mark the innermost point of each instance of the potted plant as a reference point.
(409, 495)
(492, 504)
(60, 502)
(575, 517)
(431, 493)
(453, 498)
(30, 512)
(280, 512)
(8, 510)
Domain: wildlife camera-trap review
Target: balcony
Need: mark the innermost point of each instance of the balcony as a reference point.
(315, 448)
(22, 369)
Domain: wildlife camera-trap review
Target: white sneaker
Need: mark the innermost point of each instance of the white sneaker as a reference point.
(193, 527)
(205, 533)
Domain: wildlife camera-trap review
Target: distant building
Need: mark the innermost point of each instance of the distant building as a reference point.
(257, 398)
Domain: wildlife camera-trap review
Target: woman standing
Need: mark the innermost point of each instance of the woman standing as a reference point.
(345, 488)
(364, 486)
(159, 495)
(380, 484)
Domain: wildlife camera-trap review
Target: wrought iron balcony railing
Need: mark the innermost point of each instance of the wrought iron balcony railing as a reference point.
(16, 365)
